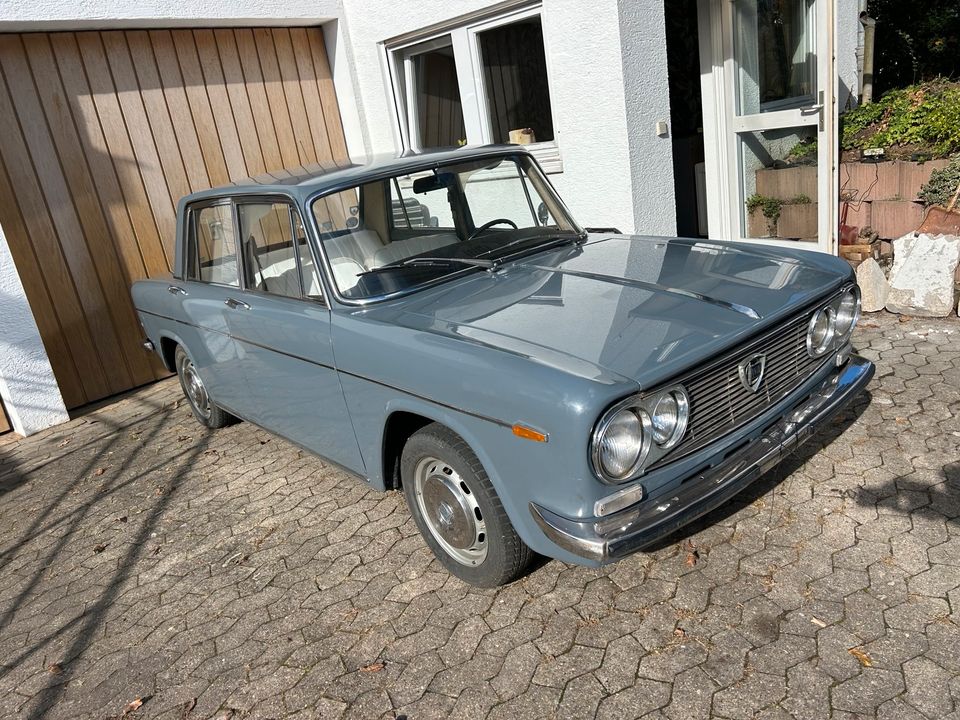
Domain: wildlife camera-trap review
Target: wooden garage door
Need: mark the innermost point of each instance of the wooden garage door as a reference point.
(102, 133)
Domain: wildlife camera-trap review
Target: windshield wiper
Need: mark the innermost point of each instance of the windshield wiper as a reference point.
(548, 240)
(427, 261)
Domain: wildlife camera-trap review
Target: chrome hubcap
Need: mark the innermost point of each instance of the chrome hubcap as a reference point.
(196, 392)
(451, 511)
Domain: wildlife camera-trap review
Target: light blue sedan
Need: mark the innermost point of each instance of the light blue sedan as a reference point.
(440, 323)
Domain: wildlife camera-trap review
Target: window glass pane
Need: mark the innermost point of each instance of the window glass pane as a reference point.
(268, 254)
(309, 275)
(439, 110)
(775, 54)
(494, 205)
(500, 192)
(214, 250)
(778, 183)
(515, 78)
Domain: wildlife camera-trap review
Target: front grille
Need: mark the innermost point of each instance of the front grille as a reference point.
(719, 403)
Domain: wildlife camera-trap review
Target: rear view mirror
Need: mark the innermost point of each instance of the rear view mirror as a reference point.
(437, 181)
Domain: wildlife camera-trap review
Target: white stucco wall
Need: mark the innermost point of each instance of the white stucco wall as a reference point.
(647, 93)
(27, 385)
(582, 42)
(849, 43)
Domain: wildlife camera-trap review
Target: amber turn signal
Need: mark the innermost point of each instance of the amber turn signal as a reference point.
(526, 433)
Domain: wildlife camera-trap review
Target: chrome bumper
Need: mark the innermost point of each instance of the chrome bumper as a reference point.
(620, 534)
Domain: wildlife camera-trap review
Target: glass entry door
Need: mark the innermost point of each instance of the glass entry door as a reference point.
(777, 124)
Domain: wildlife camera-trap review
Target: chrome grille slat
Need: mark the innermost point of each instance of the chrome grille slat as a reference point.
(718, 401)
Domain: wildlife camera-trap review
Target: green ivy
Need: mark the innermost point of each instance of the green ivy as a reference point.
(942, 184)
(768, 205)
(926, 116)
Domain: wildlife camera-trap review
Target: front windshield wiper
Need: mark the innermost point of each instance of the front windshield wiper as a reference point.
(550, 239)
(427, 261)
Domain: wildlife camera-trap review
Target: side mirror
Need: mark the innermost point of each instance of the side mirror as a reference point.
(542, 215)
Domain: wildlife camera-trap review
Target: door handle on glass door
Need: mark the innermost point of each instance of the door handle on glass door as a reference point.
(235, 304)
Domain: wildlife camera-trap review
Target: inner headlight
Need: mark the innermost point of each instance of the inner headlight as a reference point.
(848, 312)
(669, 418)
(820, 331)
(622, 442)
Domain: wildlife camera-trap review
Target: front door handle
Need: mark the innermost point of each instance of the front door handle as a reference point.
(236, 304)
(176, 290)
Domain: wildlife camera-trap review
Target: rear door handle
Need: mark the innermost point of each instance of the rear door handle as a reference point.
(236, 304)
(176, 290)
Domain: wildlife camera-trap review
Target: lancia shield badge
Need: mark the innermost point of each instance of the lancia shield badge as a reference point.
(751, 371)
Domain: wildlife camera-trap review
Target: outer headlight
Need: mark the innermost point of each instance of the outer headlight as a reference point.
(621, 442)
(848, 312)
(820, 331)
(669, 417)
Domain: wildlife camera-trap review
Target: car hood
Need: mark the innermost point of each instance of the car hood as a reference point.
(619, 307)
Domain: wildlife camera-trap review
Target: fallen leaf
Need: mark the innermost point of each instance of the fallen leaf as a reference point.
(905, 318)
(122, 519)
(134, 705)
(184, 438)
(99, 548)
(374, 667)
(679, 632)
(861, 657)
(99, 471)
(55, 669)
(264, 442)
(63, 443)
(818, 622)
(692, 554)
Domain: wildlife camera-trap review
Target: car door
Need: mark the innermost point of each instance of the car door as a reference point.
(282, 329)
(210, 284)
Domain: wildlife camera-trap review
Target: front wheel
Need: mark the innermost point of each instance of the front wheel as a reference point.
(204, 409)
(458, 511)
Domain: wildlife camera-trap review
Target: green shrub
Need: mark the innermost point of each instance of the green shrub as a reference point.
(942, 185)
(925, 117)
(768, 205)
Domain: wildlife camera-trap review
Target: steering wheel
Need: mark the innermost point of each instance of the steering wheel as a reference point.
(488, 225)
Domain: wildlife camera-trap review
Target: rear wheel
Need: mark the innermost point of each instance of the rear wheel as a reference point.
(204, 409)
(457, 510)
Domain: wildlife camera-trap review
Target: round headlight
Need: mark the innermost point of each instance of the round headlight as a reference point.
(820, 331)
(848, 313)
(669, 418)
(622, 443)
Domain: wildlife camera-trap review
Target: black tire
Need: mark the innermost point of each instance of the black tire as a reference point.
(505, 557)
(209, 413)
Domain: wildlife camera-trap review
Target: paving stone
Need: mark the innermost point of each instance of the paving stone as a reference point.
(252, 575)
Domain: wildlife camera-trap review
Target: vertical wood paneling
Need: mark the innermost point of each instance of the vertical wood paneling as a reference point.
(104, 132)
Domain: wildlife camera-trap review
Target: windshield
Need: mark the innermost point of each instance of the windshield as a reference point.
(401, 232)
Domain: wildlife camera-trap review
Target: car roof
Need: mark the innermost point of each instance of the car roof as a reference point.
(306, 180)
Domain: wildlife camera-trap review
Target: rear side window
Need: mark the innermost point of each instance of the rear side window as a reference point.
(213, 246)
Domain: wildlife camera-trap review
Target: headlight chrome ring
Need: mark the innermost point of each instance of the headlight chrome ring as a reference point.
(821, 331)
(848, 312)
(607, 424)
(668, 433)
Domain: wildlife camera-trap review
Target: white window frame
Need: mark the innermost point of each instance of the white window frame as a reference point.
(463, 38)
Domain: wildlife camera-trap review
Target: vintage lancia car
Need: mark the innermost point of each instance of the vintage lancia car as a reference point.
(440, 323)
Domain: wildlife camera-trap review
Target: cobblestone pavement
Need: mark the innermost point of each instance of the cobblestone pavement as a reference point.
(228, 574)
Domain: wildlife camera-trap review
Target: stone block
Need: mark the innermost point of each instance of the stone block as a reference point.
(787, 183)
(914, 175)
(798, 221)
(922, 277)
(759, 225)
(859, 214)
(873, 285)
(895, 218)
